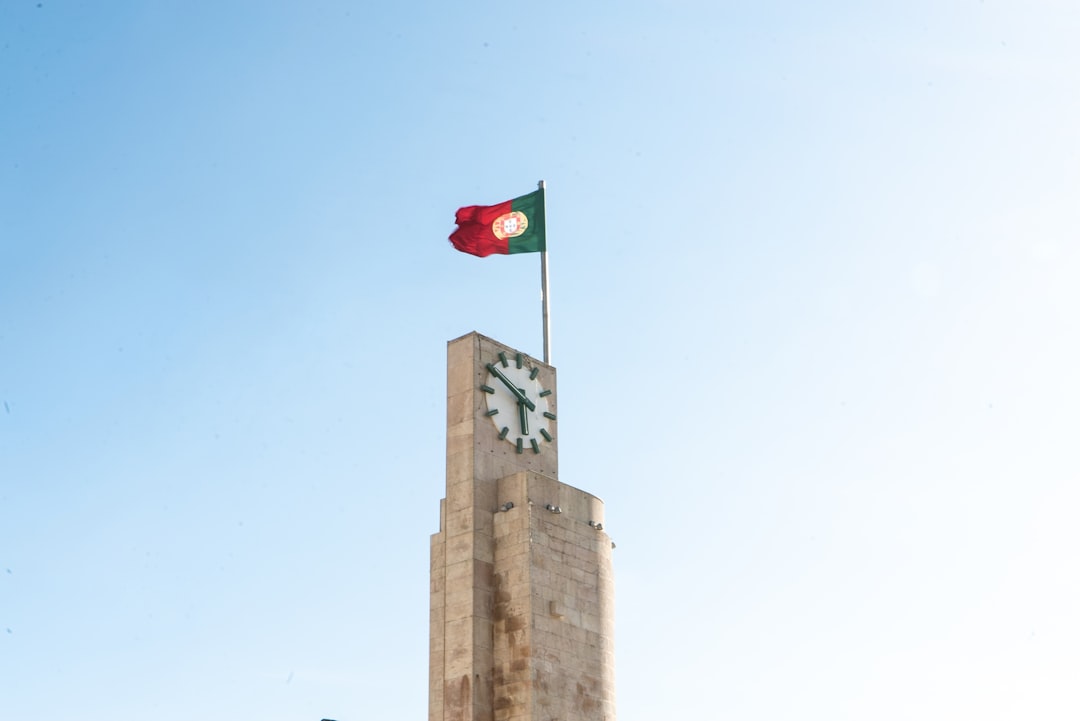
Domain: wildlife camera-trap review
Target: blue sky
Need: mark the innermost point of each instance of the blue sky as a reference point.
(824, 258)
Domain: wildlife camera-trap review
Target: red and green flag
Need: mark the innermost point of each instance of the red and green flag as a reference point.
(516, 226)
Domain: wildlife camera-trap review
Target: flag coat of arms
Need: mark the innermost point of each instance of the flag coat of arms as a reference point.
(515, 226)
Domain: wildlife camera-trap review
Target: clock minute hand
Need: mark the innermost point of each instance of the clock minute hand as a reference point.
(513, 388)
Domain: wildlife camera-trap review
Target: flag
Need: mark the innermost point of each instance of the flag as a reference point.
(516, 226)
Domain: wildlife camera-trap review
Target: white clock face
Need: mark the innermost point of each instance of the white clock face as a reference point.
(523, 418)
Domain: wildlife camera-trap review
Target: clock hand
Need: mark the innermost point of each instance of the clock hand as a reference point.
(523, 415)
(518, 393)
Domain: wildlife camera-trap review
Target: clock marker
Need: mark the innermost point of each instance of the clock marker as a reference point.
(520, 447)
(502, 359)
(518, 360)
(487, 389)
(545, 393)
(545, 434)
(549, 415)
(535, 445)
(503, 432)
(533, 373)
(492, 412)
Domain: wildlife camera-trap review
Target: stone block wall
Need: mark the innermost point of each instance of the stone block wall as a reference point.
(521, 597)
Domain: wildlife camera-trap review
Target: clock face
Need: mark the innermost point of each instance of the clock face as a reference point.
(517, 404)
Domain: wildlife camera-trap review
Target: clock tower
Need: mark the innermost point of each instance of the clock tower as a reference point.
(522, 620)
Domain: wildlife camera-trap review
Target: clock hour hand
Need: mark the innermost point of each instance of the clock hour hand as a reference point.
(523, 415)
(517, 392)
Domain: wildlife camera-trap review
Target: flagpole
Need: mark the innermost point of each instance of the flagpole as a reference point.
(545, 298)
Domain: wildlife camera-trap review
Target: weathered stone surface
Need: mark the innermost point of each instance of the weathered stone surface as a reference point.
(522, 619)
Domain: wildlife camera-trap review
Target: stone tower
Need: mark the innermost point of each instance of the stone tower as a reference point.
(522, 621)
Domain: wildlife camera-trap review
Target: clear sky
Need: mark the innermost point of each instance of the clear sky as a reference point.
(815, 286)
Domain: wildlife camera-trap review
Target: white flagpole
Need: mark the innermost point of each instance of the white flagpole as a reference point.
(545, 298)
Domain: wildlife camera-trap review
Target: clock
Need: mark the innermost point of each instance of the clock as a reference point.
(517, 404)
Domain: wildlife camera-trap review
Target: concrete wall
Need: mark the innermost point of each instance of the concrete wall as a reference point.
(553, 612)
(521, 600)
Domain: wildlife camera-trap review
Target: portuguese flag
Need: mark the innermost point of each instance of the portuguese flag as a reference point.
(516, 226)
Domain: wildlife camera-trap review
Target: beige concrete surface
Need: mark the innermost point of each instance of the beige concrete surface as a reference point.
(522, 621)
